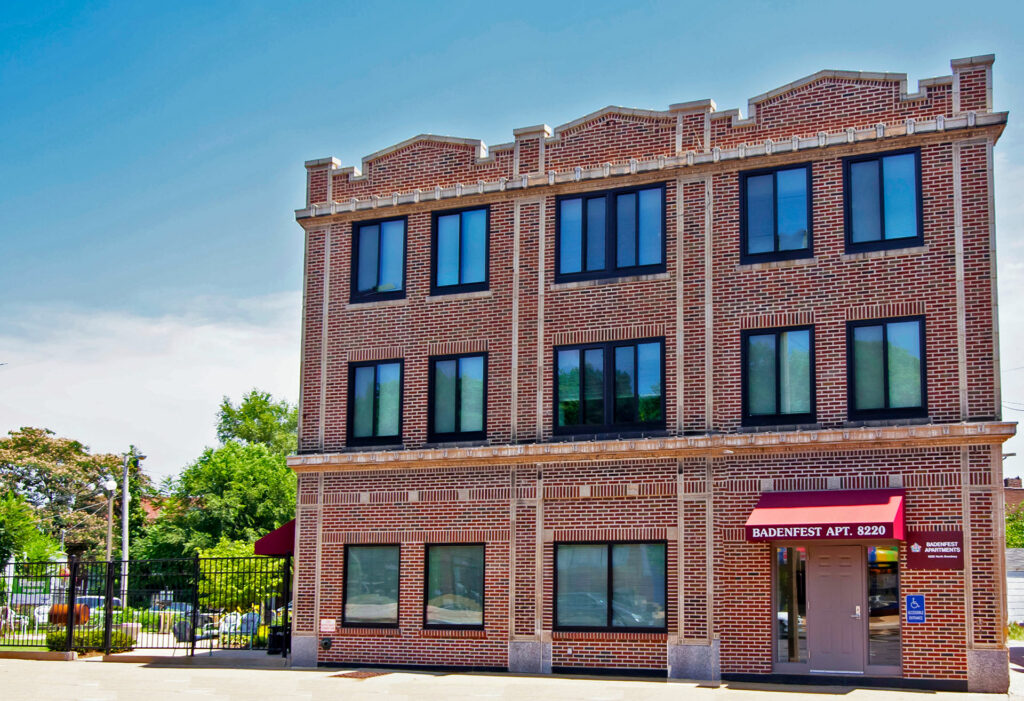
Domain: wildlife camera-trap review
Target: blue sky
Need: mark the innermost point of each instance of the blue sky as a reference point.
(151, 158)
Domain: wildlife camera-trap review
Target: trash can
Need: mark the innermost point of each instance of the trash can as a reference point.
(277, 640)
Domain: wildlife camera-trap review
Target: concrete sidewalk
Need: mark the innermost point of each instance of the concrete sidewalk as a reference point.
(81, 681)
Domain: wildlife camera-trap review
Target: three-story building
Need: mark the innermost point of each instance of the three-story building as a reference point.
(680, 391)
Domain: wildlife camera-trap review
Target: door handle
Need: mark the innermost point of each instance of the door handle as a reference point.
(856, 614)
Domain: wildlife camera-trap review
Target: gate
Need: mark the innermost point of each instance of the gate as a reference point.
(187, 604)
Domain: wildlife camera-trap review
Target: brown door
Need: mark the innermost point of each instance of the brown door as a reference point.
(835, 609)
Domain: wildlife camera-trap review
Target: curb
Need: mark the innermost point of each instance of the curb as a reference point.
(38, 655)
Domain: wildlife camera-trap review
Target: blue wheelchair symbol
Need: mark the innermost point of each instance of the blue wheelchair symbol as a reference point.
(915, 608)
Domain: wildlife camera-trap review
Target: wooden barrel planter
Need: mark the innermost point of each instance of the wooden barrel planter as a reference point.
(59, 614)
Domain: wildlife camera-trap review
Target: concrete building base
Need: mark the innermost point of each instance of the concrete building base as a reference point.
(304, 649)
(529, 657)
(696, 662)
(988, 671)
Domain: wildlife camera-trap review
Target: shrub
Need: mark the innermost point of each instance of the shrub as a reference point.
(1015, 631)
(89, 641)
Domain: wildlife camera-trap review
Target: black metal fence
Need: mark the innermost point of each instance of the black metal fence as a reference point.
(188, 604)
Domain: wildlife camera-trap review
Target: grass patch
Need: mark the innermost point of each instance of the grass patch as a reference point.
(22, 648)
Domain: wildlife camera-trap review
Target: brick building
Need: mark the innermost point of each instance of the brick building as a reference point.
(681, 391)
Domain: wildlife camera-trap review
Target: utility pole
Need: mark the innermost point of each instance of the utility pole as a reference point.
(132, 457)
(110, 485)
(125, 496)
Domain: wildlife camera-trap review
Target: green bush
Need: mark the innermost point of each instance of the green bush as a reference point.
(149, 620)
(89, 641)
(1015, 632)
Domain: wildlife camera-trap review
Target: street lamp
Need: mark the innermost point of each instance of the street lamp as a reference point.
(110, 485)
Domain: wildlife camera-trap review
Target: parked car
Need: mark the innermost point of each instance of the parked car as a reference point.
(98, 604)
(179, 608)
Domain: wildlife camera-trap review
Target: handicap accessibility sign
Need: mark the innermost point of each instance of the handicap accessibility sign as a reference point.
(915, 608)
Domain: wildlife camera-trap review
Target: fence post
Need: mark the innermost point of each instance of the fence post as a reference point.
(108, 608)
(286, 629)
(72, 586)
(195, 605)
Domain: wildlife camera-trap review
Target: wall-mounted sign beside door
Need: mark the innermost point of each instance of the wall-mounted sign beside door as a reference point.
(915, 608)
(935, 550)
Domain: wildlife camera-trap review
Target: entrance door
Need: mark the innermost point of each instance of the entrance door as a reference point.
(835, 609)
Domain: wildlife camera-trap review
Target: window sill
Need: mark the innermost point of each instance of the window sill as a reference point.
(776, 264)
(580, 284)
(659, 636)
(452, 633)
(885, 253)
(369, 632)
(776, 428)
(469, 443)
(458, 296)
(871, 423)
(378, 303)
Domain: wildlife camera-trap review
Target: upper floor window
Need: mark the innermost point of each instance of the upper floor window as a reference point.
(775, 214)
(609, 387)
(375, 402)
(610, 586)
(883, 201)
(458, 390)
(378, 260)
(778, 376)
(460, 251)
(886, 366)
(371, 585)
(611, 233)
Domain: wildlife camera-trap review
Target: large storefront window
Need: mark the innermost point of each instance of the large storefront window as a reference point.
(632, 573)
(883, 606)
(791, 606)
(371, 585)
(455, 586)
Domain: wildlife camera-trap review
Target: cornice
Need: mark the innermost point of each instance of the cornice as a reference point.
(879, 134)
(705, 445)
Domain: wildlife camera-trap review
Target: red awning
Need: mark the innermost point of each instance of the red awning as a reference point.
(830, 515)
(280, 541)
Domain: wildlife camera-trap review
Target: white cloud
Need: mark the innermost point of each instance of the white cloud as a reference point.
(110, 379)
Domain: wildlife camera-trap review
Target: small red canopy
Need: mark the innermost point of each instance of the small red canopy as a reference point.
(280, 541)
(828, 515)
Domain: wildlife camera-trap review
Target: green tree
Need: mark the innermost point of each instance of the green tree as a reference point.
(20, 534)
(224, 586)
(1015, 527)
(259, 419)
(59, 478)
(236, 492)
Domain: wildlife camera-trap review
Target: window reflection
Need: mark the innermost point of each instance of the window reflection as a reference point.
(791, 606)
(883, 606)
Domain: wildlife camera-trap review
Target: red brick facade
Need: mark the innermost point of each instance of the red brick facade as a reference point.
(523, 490)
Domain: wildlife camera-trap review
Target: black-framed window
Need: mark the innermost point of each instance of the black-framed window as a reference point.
(605, 387)
(605, 234)
(454, 586)
(882, 196)
(375, 402)
(371, 585)
(778, 376)
(886, 368)
(461, 250)
(775, 214)
(610, 586)
(378, 260)
(458, 397)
